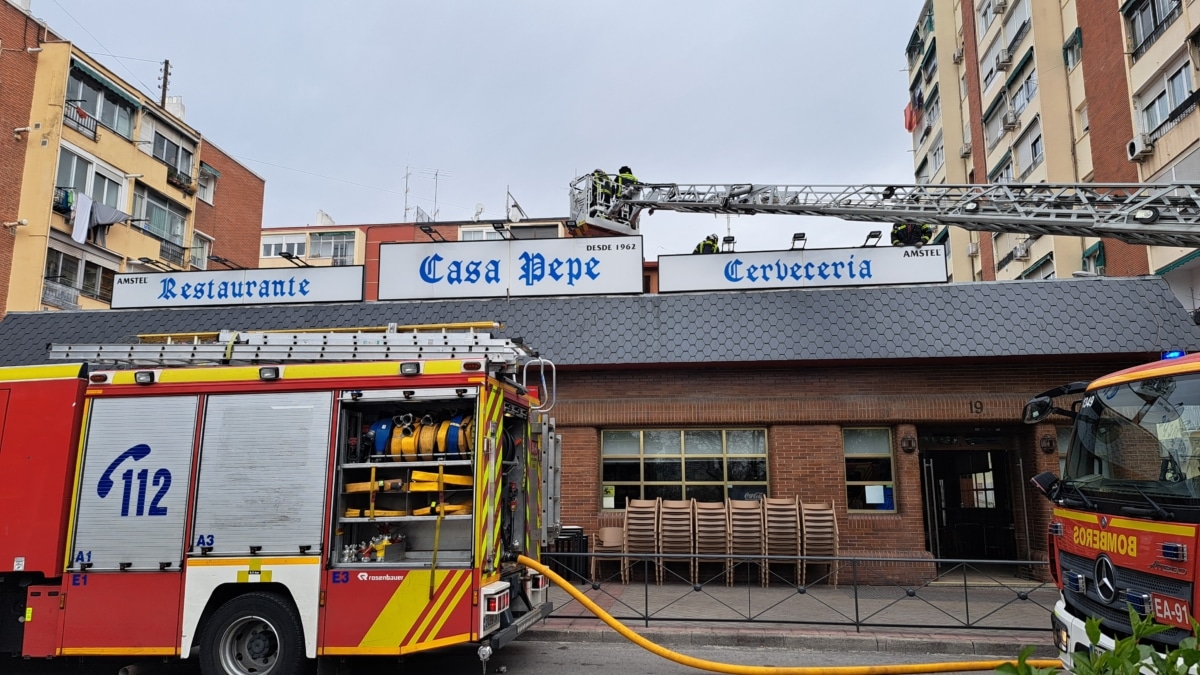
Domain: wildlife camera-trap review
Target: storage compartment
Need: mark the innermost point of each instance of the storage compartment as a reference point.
(405, 462)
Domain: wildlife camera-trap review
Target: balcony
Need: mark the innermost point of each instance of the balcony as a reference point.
(181, 180)
(1015, 42)
(1181, 111)
(79, 119)
(59, 295)
(1158, 31)
(171, 252)
(342, 261)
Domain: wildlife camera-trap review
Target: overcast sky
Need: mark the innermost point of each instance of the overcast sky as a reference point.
(525, 95)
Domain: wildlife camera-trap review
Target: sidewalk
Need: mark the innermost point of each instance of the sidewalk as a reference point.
(572, 623)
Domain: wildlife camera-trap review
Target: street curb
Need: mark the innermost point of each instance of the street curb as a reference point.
(993, 646)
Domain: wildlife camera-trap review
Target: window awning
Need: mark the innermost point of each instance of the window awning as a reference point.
(106, 83)
(987, 114)
(1016, 71)
(207, 168)
(1036, 263)
(999, 166)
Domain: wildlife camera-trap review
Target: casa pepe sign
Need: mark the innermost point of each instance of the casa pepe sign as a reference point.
(510, 267)
(865, 266)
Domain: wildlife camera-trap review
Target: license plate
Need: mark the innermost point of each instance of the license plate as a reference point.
(1171, 611)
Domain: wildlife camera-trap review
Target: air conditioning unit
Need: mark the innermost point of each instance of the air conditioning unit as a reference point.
(999, 6)
(1021, 251)
(972, 248)
(958, 55)
(1140, 147)
(1003, 60)
(965, 150)
(1010, 120)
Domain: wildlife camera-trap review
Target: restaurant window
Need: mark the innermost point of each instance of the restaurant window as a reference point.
(870, 484)
(710, 465)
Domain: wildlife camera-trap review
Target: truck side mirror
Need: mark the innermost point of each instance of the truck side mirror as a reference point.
(1047, 483)
(1037, 409)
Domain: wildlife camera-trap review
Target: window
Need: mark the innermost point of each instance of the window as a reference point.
(84, 176)
(1073, 49)
(159, 216)
(336, 245)
(201, 246)
(174, 155)
(1176, 87)
(993, 124)
(711, 465)
(1093, 258)
(938, 156)
(933, 111)
(478, 234)
(90, 279)
(1083, 119)
(988, 74)
(869, 482)
(1024, 94)
(99, 102)
(1004, 173)
(977, 490)
(274, 244)
(986, 16)
(206, 184)
(1147, 20)
(1031, 149)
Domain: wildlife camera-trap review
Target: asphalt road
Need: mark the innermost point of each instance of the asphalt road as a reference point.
(530, 658)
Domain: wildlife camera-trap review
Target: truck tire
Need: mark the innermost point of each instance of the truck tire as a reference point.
(253, 634)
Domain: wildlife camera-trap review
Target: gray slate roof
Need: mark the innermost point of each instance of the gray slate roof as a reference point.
(991, 319)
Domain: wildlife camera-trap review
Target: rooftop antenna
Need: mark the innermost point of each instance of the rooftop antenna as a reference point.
(437, 175)
(512, 209)
(478, 211)
(407, 173)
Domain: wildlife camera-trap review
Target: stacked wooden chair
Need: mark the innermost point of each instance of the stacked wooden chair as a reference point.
(746, 533)
(676, 533)
(641, 531)
(820, 536)
(783, 532)
(609, 539)
(712, 537)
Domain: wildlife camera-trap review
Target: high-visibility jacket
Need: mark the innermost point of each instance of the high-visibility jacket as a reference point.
(624, 181)
(602, 184)
(706, 246)
(911, 234)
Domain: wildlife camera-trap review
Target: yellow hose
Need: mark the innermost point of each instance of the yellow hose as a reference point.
(713, 666)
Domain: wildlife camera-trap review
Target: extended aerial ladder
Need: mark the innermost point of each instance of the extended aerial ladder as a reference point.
(1163, 214)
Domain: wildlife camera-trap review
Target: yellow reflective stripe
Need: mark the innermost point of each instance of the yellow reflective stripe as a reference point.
(445, 367)
(252, 563)
(1076, 515)
(69, 371)
(87, 410)
(118, 651)
(1168, 367)
(1161, 528)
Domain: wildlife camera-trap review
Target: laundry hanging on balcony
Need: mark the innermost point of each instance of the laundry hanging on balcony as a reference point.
(103, 216)
(81, 218)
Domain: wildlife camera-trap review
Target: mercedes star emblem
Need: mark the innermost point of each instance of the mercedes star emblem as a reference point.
(1106, 580)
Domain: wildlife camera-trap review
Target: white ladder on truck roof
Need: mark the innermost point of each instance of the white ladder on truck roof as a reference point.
(382, 343)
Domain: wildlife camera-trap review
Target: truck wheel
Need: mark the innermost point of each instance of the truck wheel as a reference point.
(253, 634)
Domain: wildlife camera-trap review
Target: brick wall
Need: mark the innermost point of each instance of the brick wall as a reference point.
(804, 410)
(17, 72)
(974, 112)
(234, 218)
(1110, 119)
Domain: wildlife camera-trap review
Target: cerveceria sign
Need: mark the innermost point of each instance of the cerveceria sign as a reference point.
(238, 287)
(868, 266)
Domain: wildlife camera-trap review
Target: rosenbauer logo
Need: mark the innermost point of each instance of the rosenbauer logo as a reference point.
(367, 576)
(1109, 542)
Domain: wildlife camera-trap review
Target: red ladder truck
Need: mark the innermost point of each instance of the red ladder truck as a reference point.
(1126, 511)
(258, 499)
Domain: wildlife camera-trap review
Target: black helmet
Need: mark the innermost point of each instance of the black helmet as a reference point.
(625, 169)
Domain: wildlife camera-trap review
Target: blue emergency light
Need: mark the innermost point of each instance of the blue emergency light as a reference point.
(1173, 354)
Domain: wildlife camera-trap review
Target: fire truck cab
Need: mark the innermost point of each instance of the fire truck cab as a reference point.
(258, 515)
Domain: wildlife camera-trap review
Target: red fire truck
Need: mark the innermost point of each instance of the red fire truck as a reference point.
(1127, 507)
(277, 497)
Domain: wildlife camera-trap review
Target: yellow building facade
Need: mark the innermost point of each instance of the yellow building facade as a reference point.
(110, 183)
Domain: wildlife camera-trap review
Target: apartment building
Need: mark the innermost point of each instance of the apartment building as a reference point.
(106, 180)
(1058, 92)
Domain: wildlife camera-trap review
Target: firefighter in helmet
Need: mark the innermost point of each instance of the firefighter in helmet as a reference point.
(709, 245)
(911, 234)
(602, 191)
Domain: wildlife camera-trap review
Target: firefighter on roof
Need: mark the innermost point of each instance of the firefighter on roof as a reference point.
(911, 234)
(709, 245)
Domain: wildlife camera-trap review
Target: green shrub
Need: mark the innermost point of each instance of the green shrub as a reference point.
(1127, 657)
